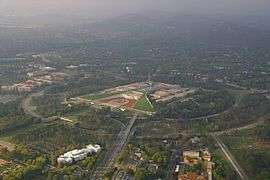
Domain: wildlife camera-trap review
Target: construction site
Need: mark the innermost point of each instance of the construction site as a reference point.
(136, 96)
(125, 100)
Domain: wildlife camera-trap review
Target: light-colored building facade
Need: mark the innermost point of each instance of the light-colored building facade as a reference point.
(78, 154)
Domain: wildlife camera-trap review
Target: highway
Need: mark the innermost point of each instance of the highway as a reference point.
(175, 157)
(112, 153)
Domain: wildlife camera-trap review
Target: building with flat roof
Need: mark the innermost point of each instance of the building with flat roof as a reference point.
(191, 157)
(78, 154)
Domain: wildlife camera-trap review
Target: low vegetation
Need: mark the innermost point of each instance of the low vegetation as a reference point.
(251, 149)
(202, 103)
(144, 104)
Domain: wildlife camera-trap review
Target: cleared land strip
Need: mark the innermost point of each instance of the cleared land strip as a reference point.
(114, 151)
(226, 151)
(249, 126)
(176, 95)
(231, 159)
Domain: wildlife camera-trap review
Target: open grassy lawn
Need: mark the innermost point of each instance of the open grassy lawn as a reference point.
(95, 96)
(144, 104)
(99, 95)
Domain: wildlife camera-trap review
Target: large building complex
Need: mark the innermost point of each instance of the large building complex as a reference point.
(35, 82)
(78, 154)
(191, 158)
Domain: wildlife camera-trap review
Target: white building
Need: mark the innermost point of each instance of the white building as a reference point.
(78, 154)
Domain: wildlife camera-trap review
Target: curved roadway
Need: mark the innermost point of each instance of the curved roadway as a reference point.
(28, 108)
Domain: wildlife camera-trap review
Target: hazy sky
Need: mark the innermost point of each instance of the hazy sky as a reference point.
(120, 7)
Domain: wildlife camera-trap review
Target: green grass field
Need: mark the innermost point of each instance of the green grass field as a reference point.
(105, 95)
(144, 104)
(97, 96)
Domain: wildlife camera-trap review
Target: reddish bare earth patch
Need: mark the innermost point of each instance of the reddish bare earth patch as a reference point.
(263, 144)
(3, 162)
(131, 103)
(119, 102)
(115, 102)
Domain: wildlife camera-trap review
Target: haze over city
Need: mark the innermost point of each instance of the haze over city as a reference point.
(134, 89)
(120, 7)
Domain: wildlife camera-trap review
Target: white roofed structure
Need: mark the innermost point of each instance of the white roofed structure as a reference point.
(78, 154)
